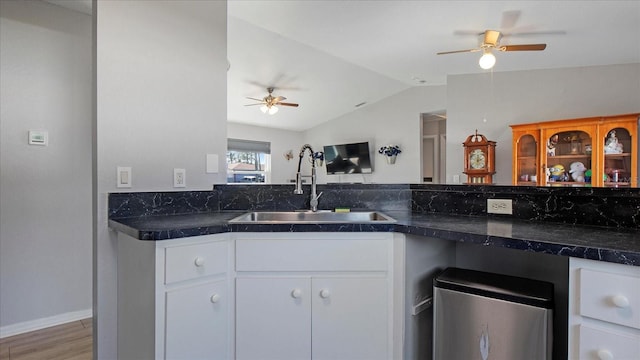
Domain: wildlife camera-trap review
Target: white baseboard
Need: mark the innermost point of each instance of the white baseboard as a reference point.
(42, 323)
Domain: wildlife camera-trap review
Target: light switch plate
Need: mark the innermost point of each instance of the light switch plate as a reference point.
(38, 137)
(212, 164)
(123, 177)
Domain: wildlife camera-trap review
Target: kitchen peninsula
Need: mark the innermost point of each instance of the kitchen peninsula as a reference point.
(437, 226)
(551, 220)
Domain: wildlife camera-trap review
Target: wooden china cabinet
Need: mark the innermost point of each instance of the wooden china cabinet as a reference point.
(597, 151)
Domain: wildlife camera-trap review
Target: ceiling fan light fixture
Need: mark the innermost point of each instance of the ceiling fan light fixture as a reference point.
(487, 60)
(271, 104)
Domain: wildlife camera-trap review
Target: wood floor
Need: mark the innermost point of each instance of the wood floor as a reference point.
(70, 341)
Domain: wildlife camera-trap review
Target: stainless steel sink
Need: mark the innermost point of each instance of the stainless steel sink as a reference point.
(309, 217)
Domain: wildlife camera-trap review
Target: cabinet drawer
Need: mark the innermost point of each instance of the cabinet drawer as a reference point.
(312, 255)
(193, 261)
(610, 297)
(605, 344)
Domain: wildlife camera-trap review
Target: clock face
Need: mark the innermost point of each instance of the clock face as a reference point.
(477, 159)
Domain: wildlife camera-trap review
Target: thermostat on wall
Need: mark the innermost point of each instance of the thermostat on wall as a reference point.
(38, 137)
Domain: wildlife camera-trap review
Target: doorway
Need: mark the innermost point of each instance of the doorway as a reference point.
(433, 145)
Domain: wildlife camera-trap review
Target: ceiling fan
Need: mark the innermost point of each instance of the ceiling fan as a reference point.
(490, 41)
(270, 103)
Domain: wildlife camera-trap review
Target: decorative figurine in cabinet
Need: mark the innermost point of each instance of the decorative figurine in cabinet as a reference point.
(566, 157)
(598, 151)
(619, 142)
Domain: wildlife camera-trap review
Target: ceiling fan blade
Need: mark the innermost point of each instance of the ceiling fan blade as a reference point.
(492, 37)
(250, 98)
(527, 47)
(457, 51)
(253, 104)
(287, 104)
(279, 98)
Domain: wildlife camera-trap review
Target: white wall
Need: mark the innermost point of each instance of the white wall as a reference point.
(393, 121)
(161, 104)
(45, 212)
(510, 98)
(531, 96)
(282, 141)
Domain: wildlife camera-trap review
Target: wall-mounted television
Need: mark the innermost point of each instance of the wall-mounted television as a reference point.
(348, 158)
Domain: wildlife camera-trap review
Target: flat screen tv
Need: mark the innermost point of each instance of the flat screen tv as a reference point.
(348, 158)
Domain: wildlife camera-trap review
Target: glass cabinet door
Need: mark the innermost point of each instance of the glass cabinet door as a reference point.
(526, 164)
(569, 159)
(617, 146)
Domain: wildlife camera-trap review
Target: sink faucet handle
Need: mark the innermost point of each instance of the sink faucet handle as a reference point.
(314, 202)
(318, 196)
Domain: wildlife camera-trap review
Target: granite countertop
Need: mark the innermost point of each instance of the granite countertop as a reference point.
(597, 243)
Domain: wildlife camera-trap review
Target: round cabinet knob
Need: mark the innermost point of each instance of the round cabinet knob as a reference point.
(604, 354)
(324, 293)
(215, 298)
(620, 301)
(296, 293)
(199, 261)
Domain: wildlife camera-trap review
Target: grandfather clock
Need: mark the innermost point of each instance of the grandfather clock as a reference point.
(479, 159)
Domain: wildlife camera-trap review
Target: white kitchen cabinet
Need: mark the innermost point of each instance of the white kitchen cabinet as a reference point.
(314, 296)
(604, 310)
(273, 318)
(173, 298)
(197, 322)
(349, 318)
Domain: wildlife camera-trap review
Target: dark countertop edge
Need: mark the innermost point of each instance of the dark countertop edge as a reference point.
(218, 223)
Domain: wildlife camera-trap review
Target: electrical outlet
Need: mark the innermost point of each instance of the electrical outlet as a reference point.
(179, 178)
(499, 206)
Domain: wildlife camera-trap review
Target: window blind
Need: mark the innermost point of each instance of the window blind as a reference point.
(248, 146)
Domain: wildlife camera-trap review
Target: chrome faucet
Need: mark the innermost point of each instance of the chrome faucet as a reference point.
(314, 192)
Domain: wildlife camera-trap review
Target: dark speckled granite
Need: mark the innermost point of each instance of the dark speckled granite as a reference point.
(550, 220)
(282, 198)
(142, 204)
(619, 208)
(239, 197)
(596, 243)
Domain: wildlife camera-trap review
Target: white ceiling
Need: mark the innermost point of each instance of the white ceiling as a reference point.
(329, 55)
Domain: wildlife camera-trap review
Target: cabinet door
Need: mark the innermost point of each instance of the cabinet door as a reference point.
(273, 318)
(569, 158)
(350, 318)
(525, 160)
(618, 141)
(197, 322)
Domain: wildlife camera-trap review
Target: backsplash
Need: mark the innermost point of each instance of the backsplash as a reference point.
(137, 204)
(581, 206)
(240, 197)
(281, 197)
(618, 208)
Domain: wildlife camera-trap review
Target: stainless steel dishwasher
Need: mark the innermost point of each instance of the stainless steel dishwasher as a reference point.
(486, 316)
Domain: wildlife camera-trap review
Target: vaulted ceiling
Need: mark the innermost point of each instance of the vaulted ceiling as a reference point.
(329, 55)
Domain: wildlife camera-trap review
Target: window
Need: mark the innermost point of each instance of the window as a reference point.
(248, 161)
